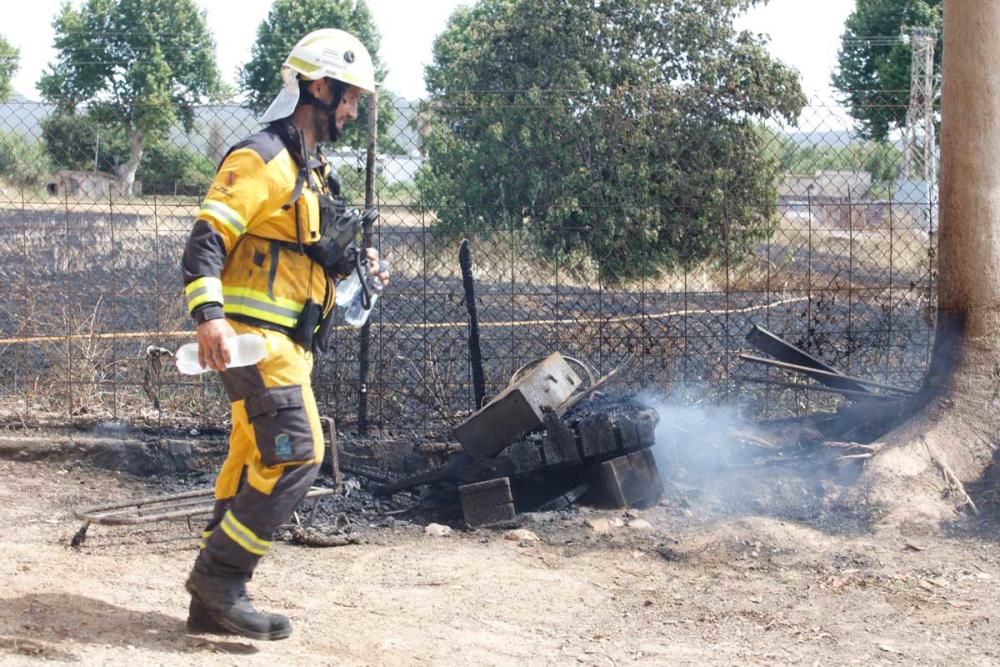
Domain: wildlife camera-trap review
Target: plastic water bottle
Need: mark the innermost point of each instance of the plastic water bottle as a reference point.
(348, 288)
(356, 314)
(244, 350)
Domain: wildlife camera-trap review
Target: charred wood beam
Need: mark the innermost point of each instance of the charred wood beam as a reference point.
(475, 349)
(462, 468)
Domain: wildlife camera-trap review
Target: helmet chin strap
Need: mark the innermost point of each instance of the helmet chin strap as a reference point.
(329, 108)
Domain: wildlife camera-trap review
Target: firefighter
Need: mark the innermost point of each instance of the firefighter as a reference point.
(255, 262)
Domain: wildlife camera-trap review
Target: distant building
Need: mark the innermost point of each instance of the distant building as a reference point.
(394, 169)
(917, 200)
(844, 200)
(827, 186)
(94, 185)
(828, 199)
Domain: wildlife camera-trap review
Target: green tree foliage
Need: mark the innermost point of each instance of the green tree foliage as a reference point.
(9, 58)
(172, 170)
(82, 142)
(79, 141)
(140, 64)
(287, 23)
(626, 130)
(880, 159)
(875, 62)
(21, 163)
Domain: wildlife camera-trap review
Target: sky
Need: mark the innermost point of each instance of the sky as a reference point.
(804, 34)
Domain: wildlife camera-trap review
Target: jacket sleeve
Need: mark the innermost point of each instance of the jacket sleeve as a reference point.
(233, 202)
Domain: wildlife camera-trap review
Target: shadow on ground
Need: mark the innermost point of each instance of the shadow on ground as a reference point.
(50, 625)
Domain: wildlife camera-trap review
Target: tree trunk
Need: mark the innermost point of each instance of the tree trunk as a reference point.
(126, 170)
(951, 441)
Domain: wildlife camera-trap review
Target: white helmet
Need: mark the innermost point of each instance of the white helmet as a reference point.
(323, 53)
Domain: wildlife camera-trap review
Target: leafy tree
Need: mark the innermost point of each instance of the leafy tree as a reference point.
(173, 170)
(625, 129)
(875, 61)
(140, 64)
(9, 57)
(287, 23)
(22, 163)
(79, 141)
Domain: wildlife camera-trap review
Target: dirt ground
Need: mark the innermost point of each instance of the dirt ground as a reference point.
(689, 581)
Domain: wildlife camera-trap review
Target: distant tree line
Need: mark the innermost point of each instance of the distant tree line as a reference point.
(882, 160)
(626, 135)
(127, 72)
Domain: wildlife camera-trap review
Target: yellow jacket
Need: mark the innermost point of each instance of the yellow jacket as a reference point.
(244, 256)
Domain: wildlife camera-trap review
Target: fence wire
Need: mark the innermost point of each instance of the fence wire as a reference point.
(93, 287)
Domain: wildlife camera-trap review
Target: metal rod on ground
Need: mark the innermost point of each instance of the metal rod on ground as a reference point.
(780, 349)
(815, 372)
(847, 393)
(364, 335)
(151, 509)
(475, 350)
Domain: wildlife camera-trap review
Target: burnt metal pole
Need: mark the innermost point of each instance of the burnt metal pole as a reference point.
(475, 350)
(364, 336)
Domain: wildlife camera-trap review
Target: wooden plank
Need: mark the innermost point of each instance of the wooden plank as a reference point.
(632, 480)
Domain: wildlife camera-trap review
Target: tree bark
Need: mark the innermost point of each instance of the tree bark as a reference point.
(957, 428)
(127, 170)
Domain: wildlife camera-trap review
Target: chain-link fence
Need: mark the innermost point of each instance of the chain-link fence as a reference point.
(92, 285)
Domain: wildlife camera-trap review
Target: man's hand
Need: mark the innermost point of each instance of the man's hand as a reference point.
(373, 267)
(212, 335)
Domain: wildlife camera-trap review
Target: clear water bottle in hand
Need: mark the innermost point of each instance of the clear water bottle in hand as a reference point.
(356, 314)
(348, 288)
(244, 350)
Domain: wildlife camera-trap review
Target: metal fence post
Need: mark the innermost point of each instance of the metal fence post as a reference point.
(364, 337)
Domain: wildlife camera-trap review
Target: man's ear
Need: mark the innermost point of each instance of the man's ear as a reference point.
(316, 87)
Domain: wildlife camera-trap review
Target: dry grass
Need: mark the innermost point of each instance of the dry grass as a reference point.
(795, 258)
(783, 263)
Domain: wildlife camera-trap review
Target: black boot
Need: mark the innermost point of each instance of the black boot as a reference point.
(200, 622)
(225, 599)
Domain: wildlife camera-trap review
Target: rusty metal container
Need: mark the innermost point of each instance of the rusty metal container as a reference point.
(518, 409)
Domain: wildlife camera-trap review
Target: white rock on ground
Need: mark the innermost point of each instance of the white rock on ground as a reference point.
(598, 524)
(521, 535)
(437, 530)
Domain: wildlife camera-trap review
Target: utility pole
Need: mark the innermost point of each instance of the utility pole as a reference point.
(919, 156)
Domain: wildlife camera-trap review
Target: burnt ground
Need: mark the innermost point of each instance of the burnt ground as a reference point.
(115, 271)
(757, 564)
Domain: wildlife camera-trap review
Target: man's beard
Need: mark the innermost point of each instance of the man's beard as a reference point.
(325, 127)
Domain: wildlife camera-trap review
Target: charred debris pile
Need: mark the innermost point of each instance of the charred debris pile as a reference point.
(542, 444)
(550, 441)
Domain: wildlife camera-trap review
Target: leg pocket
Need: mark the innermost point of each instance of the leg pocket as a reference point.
(281, 425)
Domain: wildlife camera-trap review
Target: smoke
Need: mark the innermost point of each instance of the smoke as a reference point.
(695, 442)
(710, 454)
